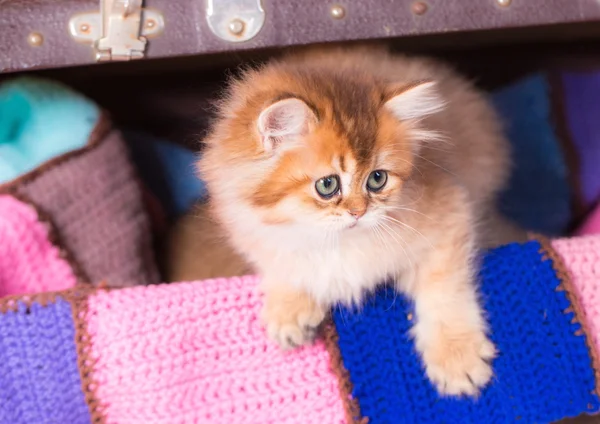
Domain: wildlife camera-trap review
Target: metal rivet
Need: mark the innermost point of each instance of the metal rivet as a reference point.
(504, 3)
(236, 26)
(35, 39)
(409, 317)
(419, 8)
(84, 28)
(150, 23)
(337, 11)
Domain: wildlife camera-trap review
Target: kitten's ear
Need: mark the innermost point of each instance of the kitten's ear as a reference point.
(415, 101)
(283, 122)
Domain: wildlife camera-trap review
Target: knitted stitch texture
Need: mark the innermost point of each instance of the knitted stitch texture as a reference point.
(582, 258)
(95, 203)
(39, 378)
(538, 195)
(543, 373)
(197, 353)
(29, 263)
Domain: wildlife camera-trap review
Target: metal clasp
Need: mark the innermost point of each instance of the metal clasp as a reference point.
(119, 31)
(235, 20)
(121, 28)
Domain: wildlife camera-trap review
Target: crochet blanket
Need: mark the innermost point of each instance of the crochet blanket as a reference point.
(91, 198)
(27, 254)
(196, 352)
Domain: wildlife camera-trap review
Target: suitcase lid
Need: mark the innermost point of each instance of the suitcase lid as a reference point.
(57, 33)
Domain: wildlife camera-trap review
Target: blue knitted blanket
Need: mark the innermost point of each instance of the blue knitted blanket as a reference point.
(543, 373)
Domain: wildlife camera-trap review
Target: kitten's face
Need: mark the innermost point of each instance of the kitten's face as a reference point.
(331, 183)
(324, 156)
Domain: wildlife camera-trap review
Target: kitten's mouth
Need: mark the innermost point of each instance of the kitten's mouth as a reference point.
(354, 224)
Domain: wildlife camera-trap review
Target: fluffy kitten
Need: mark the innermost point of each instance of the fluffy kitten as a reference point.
(333, 170)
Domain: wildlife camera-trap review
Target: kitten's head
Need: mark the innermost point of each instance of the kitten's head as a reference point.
(328, 152)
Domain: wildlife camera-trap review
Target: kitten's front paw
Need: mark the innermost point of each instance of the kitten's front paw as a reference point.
(292, 321)
(459, 364)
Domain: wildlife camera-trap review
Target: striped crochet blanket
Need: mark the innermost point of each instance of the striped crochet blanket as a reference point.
(196, 352)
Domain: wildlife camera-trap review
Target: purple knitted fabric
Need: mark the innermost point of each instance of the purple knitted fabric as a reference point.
(582, 101)
(39, 377)
(95, 202)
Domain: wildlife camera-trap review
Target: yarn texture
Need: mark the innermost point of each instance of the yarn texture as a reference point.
(95, 203)
(197, 352)
(582, 258)
(39, 120)
(543, 373)
(29, 262)
(538, 195)
(39, 376)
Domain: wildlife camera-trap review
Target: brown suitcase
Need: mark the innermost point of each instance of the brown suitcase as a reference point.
(46, 34)
(57, 33)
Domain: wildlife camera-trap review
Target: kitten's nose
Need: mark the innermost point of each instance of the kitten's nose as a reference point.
(357, 213)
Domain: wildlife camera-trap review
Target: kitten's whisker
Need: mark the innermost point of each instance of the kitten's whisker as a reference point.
(382, 238)
(405, 225)
(438, 149)
(407, 245)
(393, 234)
(377, 232)
(330, 240)
(400, 208)
(385, 242)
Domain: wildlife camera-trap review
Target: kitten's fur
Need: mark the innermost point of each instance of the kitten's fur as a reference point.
(347, 113)
(197, 249)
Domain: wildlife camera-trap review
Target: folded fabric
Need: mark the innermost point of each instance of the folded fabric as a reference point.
(168, 169)
(196, 352)
(581, 93)
(592, 223)
(538, 196)
(92, 197)
(29, 262)
(39, 120)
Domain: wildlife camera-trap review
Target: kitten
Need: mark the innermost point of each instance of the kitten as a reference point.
(333, 170)
(196, 236)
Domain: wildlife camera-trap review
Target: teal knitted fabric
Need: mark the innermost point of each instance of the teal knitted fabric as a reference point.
(40, 120)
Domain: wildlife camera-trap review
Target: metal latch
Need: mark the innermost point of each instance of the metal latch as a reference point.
(119, 30)
(235, 20)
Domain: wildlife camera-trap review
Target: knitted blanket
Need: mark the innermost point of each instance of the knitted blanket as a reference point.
(196, 352)
(40, 120)
(27, 254)
(92, 199)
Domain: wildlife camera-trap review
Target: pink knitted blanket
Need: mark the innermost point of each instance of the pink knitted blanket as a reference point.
(29, 262)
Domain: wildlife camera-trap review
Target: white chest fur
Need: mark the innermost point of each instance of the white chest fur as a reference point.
(331, 270)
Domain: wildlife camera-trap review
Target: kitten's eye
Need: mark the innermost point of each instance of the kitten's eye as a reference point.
(376, 180)
(327, 187)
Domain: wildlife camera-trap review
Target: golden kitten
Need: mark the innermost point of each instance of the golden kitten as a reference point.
(333, 170)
